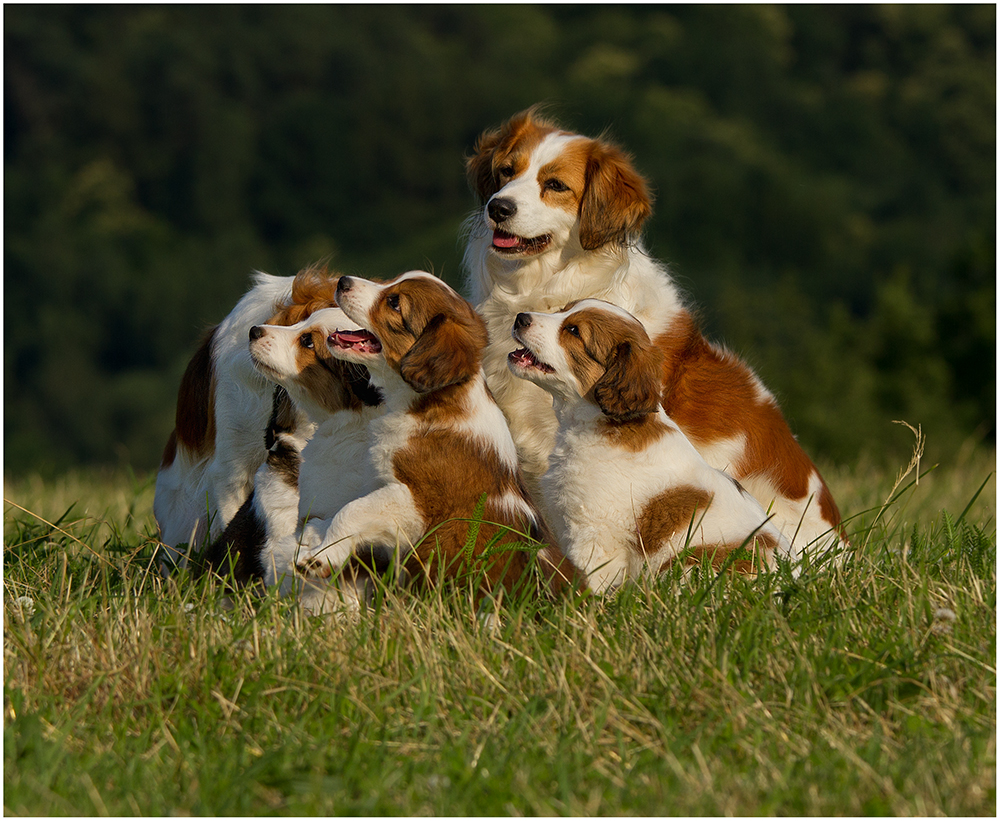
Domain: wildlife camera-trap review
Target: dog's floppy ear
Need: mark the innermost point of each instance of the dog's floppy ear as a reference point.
(616, 201)
(630, 386)
(480, 168)
(448, 351)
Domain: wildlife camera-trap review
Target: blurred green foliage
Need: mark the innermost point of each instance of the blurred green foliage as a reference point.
(825, 182)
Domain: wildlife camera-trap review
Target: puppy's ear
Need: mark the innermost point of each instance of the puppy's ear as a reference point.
(448, 351)
(630, 387)
(479, 167)
(616, 201)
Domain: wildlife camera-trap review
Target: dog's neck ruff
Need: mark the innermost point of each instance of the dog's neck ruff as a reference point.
(622, 275)
(576, 413)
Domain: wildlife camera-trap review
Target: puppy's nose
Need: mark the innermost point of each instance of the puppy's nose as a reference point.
(344, 285)
(522, 321)
(256, 332)
(501, 208)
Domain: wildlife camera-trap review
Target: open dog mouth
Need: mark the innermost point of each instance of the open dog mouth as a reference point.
(512, 244)
(523, 358)
(360, 341)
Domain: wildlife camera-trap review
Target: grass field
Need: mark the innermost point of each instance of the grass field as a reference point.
(867, 688)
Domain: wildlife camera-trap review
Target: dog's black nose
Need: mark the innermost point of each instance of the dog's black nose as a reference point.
(256, 332)
(344, 285)
(522, 321)
(501, 208)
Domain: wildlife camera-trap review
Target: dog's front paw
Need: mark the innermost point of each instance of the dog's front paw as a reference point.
(313, 567)
(312, 534)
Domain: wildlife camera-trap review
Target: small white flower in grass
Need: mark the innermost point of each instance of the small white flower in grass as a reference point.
(944, 618)
(489, 621)
(243, 647)
(438, 782)
(25, 605)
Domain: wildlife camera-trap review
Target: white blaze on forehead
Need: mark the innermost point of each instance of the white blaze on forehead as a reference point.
(420, 275)
(548, 150)
(326, 319)
(600, 305)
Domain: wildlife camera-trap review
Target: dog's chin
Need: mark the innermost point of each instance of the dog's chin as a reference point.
(510, 246)
(265, 370)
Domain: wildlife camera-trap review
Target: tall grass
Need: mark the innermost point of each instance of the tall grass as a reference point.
(868, 687)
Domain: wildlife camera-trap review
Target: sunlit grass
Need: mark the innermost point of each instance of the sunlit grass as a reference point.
(865, 688)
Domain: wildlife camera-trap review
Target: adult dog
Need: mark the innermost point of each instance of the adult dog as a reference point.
(560, 222)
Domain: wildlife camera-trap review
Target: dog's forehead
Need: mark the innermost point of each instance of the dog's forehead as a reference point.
(545, 152)
(326, 319)
(422, 278)
(552, 146)
(599, 306)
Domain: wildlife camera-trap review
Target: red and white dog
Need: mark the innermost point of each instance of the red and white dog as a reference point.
(223, 407)
(561, 220)
(656, 498)
(337, 397)
(301, 477)
(440, 448)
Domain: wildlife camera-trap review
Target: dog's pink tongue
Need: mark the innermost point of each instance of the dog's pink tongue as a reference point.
(353, 338)
(502, 240)
(363, 341)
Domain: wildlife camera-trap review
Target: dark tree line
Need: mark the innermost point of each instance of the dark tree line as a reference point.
(825, 188)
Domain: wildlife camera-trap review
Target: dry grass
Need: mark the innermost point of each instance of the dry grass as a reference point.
(868, 688)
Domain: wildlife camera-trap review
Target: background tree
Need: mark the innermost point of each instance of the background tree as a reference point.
(825, 181)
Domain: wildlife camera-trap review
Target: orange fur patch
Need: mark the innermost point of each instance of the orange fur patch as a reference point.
(676, 510)
(634, 435)
(613, 359)
(434, 339)
(511, 144)
(194, 419)
(668, 514)
(712, 395)
(312, 289)
(448, 473)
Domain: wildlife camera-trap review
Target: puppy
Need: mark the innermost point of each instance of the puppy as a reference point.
(317, 475)
(223, 406)
(627, 489)
(560, 222)
(335, 466)
(241, 552)
(442, 451)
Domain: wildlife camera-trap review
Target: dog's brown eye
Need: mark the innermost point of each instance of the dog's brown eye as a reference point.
(393, 301)
(506, 170)
(306, 340)
(557, 185)
(572, 329)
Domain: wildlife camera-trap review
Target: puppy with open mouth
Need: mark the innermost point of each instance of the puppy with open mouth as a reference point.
(310, 472)
(442, 451)
(627, 491)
